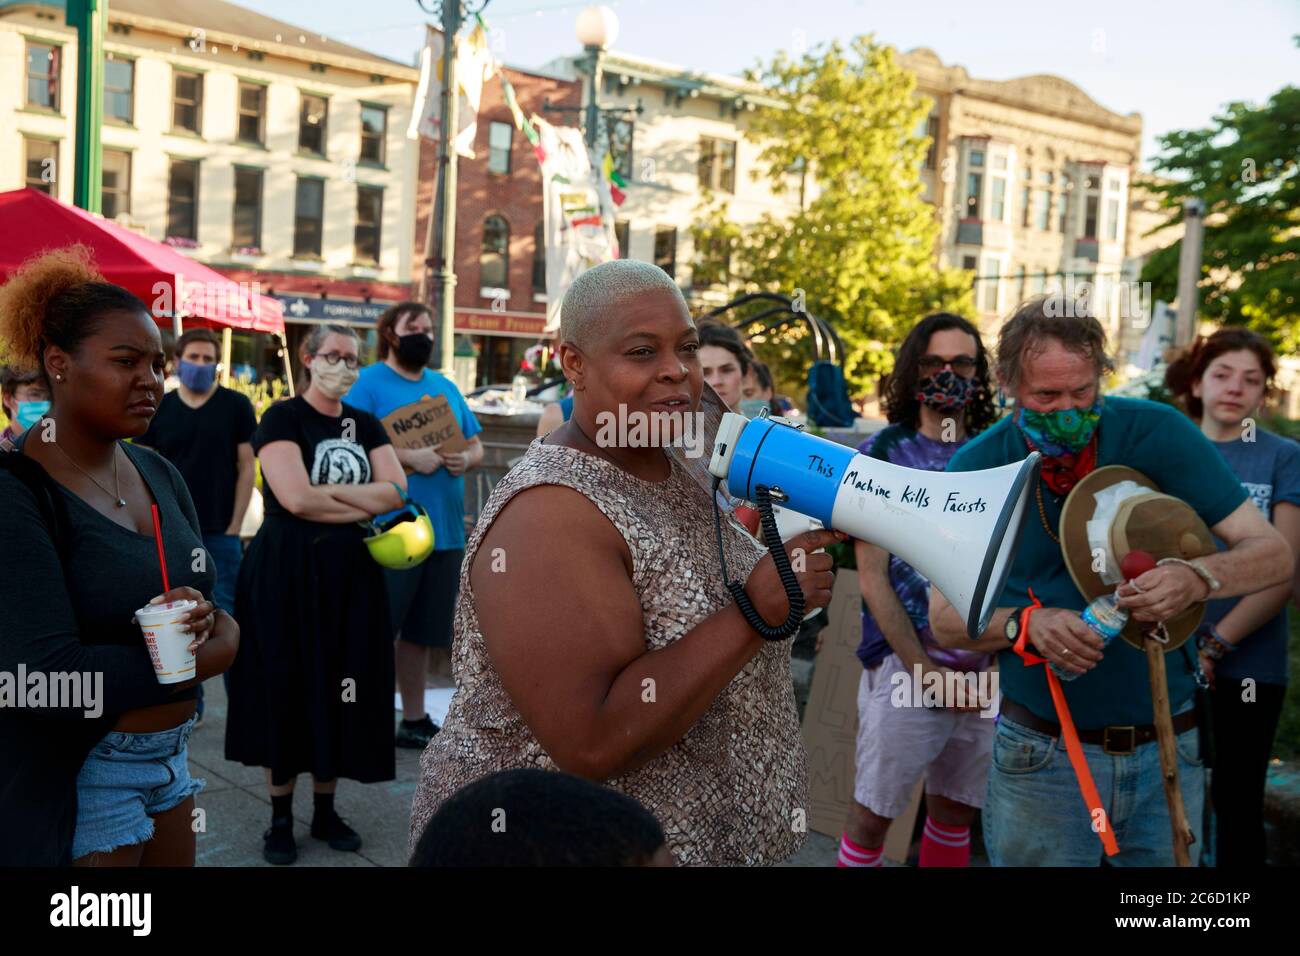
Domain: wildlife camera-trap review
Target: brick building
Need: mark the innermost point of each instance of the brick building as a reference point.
(500, 259)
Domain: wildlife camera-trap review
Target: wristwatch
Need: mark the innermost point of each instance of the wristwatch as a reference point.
(1012, 628)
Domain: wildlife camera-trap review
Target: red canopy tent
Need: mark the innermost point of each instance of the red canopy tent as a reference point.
(172, 285)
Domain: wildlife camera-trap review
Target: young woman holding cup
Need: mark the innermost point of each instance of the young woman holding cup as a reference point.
(103, 779)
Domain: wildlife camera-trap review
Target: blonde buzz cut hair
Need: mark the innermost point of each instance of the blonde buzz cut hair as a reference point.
(590, 310)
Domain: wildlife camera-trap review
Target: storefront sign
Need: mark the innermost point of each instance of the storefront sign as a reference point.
(310, 309)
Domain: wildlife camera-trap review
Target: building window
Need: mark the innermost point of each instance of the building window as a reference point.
(974, 184)
(1090, 217)
(374, 128)
(116, 183)
(666, 249)
(539, 258)
(1114, 185)
(717, 165)
(248, 209)
(968, 263)
(1063, 201)
(119, 88)
(1047, 176)
(183, 199)
(42, 164)
(308, 218)
(370, 214)
(622, 235)
(43, 76)
(187, 101)
(621, 135)
(1042, 209)
(1112, 219)
(1024, 206)
(252, 113)
(999, 198)
(977, 158)
(990, 286)
(494, 255)
(312, 116)
(500, 137)
(932, 151)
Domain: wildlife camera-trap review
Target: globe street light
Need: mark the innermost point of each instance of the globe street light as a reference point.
(597, 29)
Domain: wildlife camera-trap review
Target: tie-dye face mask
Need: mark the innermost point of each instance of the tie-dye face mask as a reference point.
(1065, 431)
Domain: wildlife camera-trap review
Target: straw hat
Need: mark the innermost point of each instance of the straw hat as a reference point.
(1139, 517)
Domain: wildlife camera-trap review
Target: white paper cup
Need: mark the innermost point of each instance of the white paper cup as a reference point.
(169, 646)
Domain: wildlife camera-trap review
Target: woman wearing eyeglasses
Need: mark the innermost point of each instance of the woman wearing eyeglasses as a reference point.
(312, 690)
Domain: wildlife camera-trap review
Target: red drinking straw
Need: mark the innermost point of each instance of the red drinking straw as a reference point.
(162, 558)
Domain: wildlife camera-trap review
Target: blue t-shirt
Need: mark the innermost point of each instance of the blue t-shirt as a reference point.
(381, 391)
(1161, 443)
(1269, 470)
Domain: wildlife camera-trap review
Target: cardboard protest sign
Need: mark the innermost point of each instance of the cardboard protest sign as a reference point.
(428, 423)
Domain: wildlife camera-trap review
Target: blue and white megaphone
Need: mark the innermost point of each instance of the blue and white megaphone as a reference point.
(959, 529)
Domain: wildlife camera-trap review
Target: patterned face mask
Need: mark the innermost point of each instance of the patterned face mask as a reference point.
(1065, 431)
(947, 391)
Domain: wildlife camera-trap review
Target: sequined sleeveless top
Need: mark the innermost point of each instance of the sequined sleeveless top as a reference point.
(733, 789)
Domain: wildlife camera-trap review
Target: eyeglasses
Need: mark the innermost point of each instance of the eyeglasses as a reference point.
(333, 359)
(963, 365)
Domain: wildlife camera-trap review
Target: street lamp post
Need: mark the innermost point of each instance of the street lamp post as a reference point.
(439, 283)
(87, 17)
(597, 30)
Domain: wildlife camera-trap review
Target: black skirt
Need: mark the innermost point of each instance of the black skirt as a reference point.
(311, 689)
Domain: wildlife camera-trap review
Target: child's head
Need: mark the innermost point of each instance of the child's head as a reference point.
(530, 817)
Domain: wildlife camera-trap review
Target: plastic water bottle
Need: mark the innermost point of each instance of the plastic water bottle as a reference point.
(519, 388)
(1106, 618)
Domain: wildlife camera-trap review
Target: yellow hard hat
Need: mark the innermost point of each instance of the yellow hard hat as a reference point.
(401, 539)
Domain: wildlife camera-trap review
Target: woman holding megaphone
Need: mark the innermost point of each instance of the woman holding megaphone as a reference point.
(644, 674)
(313, 690)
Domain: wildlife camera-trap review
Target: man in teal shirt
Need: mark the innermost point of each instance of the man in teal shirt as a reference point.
(1034, 814)
(422, 599)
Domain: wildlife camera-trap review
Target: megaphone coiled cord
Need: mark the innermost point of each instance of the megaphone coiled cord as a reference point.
(772, 538)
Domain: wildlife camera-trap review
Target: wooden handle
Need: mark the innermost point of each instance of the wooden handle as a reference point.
(1168, 744)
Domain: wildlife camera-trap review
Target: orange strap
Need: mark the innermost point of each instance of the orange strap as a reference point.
(1096, 813)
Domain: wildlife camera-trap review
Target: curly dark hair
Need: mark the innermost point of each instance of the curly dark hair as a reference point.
(901, 405)
(1190, 366)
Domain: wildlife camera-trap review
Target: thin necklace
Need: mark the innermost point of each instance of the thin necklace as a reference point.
(1042, 512)
(117, 497)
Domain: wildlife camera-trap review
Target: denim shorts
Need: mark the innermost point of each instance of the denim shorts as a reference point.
(126, 780)
(1034, 814)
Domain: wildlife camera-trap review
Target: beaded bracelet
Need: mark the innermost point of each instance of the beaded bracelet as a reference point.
(1212, 644)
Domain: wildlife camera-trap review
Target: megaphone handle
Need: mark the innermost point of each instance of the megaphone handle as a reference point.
(772, 538)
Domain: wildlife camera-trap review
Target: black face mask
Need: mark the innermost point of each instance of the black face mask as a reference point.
(414, 350)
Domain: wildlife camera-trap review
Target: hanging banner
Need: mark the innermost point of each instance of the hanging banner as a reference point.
(578, 212)
(474, 65)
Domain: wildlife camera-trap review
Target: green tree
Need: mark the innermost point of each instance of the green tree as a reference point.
(862, 250)
(1244, 167)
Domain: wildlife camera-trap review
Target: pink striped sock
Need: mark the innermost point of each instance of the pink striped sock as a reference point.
(944, 845)
(853, 855)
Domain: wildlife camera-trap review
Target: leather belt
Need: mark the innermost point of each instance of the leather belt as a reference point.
(1116, 740)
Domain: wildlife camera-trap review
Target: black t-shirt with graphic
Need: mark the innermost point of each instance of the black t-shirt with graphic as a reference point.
(335, 451)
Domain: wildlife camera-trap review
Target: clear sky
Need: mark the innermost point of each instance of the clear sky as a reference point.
(1175, 63)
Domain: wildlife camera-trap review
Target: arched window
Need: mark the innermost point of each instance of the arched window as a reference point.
(494, 258)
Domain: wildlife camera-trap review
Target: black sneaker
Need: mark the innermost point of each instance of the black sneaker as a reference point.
(416, 734)
(278, 846)
(335, 832)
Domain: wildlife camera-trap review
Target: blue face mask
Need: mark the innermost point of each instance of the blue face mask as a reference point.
(195, 376)
(29, 413)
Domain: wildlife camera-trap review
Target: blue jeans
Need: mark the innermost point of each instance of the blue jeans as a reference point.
(126, 781)
(226, 553)
(1035, 815)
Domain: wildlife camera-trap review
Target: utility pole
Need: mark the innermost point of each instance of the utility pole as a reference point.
(440, 241)
(1189, 270)
(88, 17)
